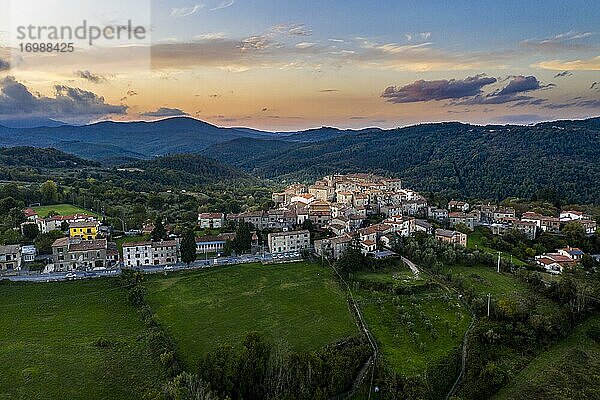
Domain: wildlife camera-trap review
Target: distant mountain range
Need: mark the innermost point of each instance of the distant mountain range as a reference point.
(111, 141)
(105, 140)
(553, 160)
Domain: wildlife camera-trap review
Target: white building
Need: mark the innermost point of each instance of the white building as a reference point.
(28, 252)
(211, 220)
(282, 242)
(150, 253)
(570, 215)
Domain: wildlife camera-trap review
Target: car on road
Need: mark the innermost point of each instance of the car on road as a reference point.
(71, 275)
(168, 268)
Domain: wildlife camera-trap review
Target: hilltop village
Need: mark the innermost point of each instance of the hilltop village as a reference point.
(324, 218)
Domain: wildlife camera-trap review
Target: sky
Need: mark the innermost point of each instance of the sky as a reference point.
(288, 65)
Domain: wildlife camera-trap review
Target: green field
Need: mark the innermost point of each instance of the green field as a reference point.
(475, 240)
(486, 280)
(62, 209)
(570, 369)
(299, 303)
(399, 277)
(49, 332)
(416, 331)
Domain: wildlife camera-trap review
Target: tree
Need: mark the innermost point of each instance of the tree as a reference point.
(188, 247)
(575, 233)
(15, 217)
(187, 386)
(159, 232)
(227, 247)
(44, 241)
(7, 204)
(243, 238)
(307, 224)
(353, 258)
(30, 231)
(49, 192)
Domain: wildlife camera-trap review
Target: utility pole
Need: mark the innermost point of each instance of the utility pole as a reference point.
(498, 262)
(488, 306)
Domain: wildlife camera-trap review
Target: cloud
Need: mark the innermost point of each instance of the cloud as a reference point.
(292, 29)
(90, 76)
(305, 45)
(420, 57)
(576, 102)
(512, 92)
(521, 84)
(165, 112)
(69, 103)
(185, 11)
(443, 89)
(592, 64)
(210, 36)
(132, 93)
(4, 65)
(563, 74)
(563, 41)
(223, 4)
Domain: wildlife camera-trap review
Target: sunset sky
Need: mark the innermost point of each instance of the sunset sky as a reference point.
(280, 65)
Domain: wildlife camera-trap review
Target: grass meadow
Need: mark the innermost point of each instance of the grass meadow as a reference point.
(299, 303)
(49, 334)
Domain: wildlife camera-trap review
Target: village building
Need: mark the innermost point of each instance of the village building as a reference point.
(28, 253)
(333, 247)
(138, 254)
(10, 258)
(545, 223)
(502, 214)
(469, 220)
(86, 230)
(73, 253)
(423, 226)
(282, 242)
(211, 220)
(461, 206)
(452, 237)
(570, 215)
(439, 214)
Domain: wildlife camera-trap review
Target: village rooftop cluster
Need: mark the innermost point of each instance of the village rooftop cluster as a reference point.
(323, 218)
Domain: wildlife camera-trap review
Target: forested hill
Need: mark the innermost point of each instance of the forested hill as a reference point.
(40, 158)
(555, 160)
(183, 169)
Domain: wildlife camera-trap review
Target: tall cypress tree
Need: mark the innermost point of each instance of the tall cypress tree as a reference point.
(188, 247)
(159, 232)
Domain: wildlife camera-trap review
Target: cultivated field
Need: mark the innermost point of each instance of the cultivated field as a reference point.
(476, 239)
(415, 330)
(484, 280)
(61, 209)
(299, 303)
(50, 349)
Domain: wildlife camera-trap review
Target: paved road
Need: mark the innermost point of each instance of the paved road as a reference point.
(412, 266)
(198, 264)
